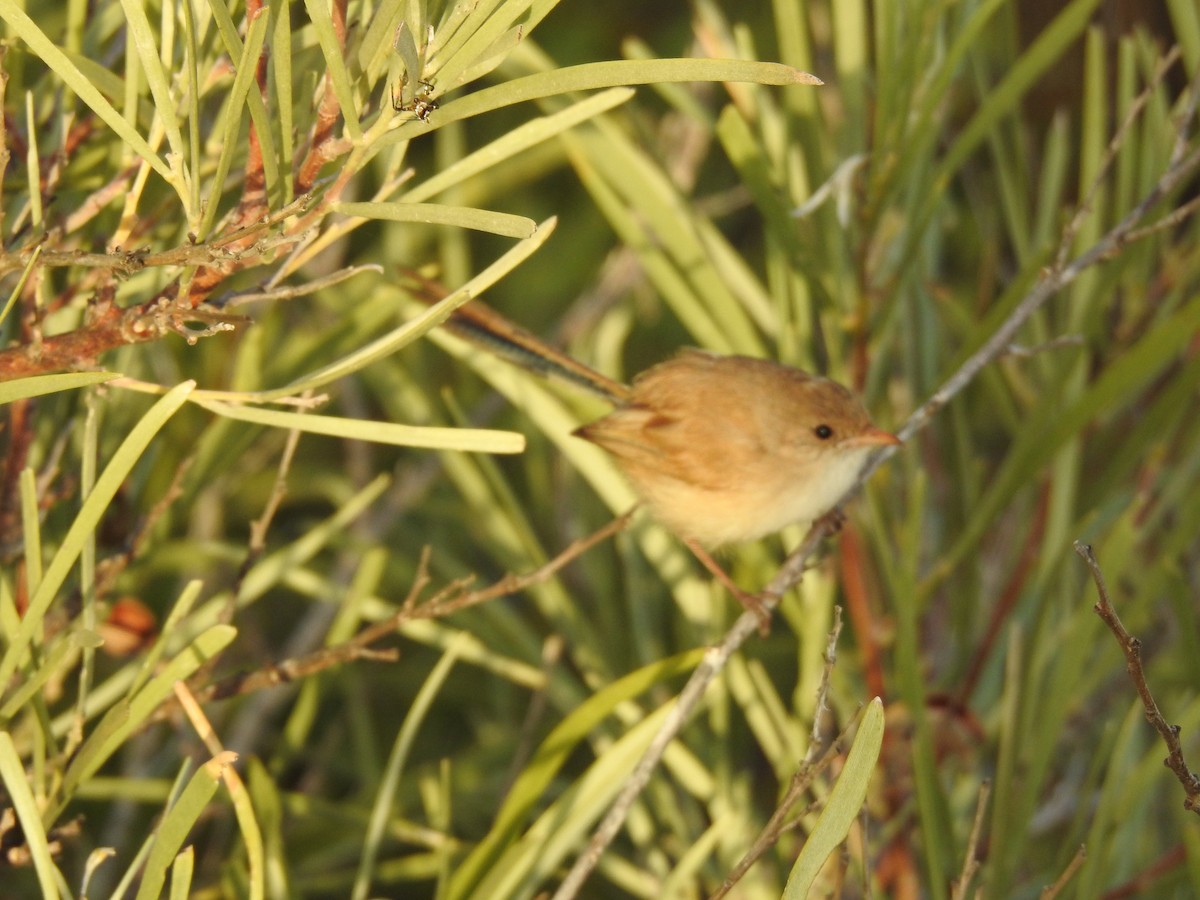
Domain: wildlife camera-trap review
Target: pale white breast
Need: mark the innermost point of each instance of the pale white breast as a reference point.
(733, 517)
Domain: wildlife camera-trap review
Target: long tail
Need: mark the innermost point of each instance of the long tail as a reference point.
(484, 327)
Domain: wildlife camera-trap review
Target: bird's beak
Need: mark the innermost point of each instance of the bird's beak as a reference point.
(872, 437)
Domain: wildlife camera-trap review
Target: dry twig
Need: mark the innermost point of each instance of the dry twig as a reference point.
(1132, 648)
(971, 858)
(803, 777)
(450, 599)
(1053, 890)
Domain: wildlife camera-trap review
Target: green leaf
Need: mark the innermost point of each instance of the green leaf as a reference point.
(421, 325)
(539, 853)
(49, 53)
(38, 385)
(145, 43)
(593, 76)
(94, 506)
(335, 64)
(385, 794)
(243, 92)
(516, 141)
(125, 717)
(504, 224)
(529, 786)
(471, 440)
(20, 795)
(841, 809)
(183, 815)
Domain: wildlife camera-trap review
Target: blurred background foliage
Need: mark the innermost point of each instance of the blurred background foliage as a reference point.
(876, 229)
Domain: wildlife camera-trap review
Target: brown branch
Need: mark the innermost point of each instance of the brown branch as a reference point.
(450, 599)
(1132, 648)
(1053, 890)
(107, 327)
(230, 246)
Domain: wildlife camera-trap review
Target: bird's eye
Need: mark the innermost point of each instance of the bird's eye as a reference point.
(824, 432)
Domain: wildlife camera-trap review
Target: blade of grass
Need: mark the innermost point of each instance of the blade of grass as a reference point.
(230, 122)
(26, 807)
(120, 721)
(516, 141)
(549, 758)
(182, 869)
(27, 30)
(178, 822)
(335, 65)
(537, 856)
(1115, 387)
(146, 46)
(469, 440)
(843, 805)
(592, 76)
(503, 224)
(107, 485)
(419, 326)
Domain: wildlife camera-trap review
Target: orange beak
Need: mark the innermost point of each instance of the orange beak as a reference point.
(872, 437)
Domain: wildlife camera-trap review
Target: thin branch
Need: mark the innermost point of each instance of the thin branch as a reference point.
(450, 599)
(228, 246)
(1050, 283)
(971, 857)
(291, 292)
(1132, 648)
(802, 779)
(1066, 340)
(1053, 890)
(822, 706)
(1110, 155)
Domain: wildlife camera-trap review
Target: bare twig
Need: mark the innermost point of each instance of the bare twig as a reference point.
(822, 705)
(803, 777)
(1051, 891)
(971, 858)
(450, 599)
(291, 292)
(1052, 281)
(1132, 648)
(1110, 155)
(1065, 340)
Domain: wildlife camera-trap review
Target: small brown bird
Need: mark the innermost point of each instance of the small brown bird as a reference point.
(721, 449)
(726, 449)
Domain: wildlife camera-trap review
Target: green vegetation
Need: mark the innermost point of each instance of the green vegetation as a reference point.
(255, 500)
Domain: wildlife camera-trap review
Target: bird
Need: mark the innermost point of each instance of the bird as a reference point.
(728, 449)
(721, 449)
